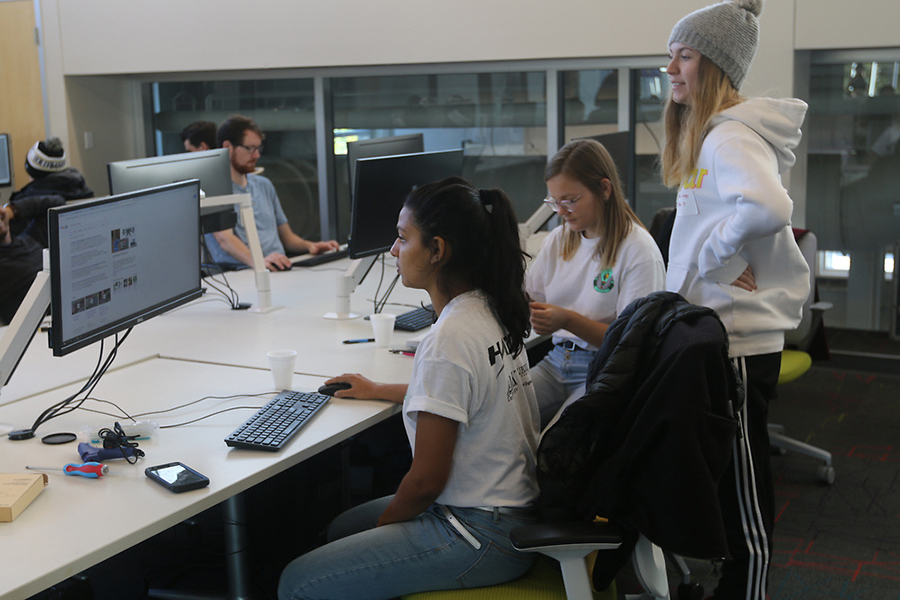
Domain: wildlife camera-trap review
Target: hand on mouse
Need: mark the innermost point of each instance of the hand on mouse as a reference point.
(357, 386)
(278, 262)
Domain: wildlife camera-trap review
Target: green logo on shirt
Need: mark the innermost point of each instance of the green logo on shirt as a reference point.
(604, 281)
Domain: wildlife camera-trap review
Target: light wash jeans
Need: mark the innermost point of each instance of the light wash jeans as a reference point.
(364, 562)
(559, 379)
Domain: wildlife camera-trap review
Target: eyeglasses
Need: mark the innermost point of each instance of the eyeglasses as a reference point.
(252, 149)
(558, 205)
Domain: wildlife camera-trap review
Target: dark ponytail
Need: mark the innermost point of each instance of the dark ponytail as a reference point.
(482, 231)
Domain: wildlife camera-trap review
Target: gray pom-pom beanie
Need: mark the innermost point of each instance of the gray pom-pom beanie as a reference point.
(727, 33)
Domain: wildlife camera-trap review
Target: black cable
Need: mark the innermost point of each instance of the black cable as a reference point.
(230, 295)
(72, 403)
(166, 410)
(218, 412)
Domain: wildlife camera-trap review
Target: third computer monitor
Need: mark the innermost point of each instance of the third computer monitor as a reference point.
(382, 185)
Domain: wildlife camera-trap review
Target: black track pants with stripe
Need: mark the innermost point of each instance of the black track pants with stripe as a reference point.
(746, 490)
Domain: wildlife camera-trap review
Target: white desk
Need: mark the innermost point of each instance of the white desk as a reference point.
(201, 349)
(242, 338)
(207, 330)
(77, 522)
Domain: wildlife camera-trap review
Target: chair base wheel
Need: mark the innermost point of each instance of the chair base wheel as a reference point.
(826, 474)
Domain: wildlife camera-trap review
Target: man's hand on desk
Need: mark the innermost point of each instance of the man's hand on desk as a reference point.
(319, 247)
(278, 262)
(364, 388)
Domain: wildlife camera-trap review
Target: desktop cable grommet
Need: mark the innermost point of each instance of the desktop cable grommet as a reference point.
(241, 306)
(55, 439)
(21, 434)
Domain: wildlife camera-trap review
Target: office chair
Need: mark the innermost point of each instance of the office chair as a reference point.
(569, 544)
(796, 358)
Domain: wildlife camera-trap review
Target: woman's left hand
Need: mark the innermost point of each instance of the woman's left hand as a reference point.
(746, 280)
(547, 319)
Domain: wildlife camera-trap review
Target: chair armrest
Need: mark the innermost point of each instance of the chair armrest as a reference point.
(599, 536)
(821, 306)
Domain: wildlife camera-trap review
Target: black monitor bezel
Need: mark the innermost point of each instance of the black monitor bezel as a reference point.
(9, 160)
(62, 346)
(357, 221)
(411, 143)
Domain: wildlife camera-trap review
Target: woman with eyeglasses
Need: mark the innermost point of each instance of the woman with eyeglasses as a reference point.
(589, 268)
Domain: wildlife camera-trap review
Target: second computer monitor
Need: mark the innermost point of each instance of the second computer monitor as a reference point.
(381, 146)
(382, 185)
(211, 167)
(619, 146)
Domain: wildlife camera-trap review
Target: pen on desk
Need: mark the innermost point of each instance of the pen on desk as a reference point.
(404, 352)
(359, 341)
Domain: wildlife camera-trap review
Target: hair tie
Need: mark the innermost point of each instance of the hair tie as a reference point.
(485, 197)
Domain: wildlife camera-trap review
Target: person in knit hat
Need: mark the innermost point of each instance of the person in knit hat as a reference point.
(732, 247)
(23, 222)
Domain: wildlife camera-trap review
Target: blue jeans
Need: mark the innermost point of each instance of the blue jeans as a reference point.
(427, 553)
(558, 379)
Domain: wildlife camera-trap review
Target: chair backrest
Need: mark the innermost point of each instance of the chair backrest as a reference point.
(801, 336)
(656, 417)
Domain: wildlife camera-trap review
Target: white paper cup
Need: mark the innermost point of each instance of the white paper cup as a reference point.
(383, 328)
(282, 364)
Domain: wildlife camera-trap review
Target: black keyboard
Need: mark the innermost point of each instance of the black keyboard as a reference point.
(276, 422)
(416, 319)
(318, 259)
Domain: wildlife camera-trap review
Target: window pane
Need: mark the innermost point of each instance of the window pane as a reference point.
(591, 102)
(284, 110)
(498, 118)
(651, 88)
(853, 129)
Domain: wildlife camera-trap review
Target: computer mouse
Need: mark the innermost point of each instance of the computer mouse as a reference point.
(330, 388)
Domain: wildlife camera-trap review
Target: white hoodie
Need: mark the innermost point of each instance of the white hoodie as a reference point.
(734, 212)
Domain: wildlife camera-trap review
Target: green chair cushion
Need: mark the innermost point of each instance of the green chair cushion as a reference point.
(793, 364)
(542, 582)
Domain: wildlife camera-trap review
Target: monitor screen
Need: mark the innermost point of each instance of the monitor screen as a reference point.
(211, 167)
(382, 185)
(119, 260)
(381, 146)
(6, 168)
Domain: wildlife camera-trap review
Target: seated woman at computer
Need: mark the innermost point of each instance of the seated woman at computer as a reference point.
(470, 396)
(228, 248)
(23, 222)
(589, 268)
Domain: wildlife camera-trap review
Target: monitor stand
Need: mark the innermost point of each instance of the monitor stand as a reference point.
(21, 330)
(346, 283)
(538, 219)
(245, 208)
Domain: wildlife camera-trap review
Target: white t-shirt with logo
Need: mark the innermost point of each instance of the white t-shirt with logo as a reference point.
(582, 284)
(463, 371)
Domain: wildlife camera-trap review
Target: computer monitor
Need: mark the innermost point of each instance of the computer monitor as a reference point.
(119, 260)
(6, 166)
(381, 146)
(382, 185)
(211, 167)
(621, 149)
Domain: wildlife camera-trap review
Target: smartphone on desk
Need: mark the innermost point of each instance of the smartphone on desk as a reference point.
(177, 477)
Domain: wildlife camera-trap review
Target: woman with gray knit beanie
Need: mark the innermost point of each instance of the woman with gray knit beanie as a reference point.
(732, 247)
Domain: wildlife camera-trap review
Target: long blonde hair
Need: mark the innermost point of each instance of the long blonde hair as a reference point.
(687, 126)
(589, 163)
